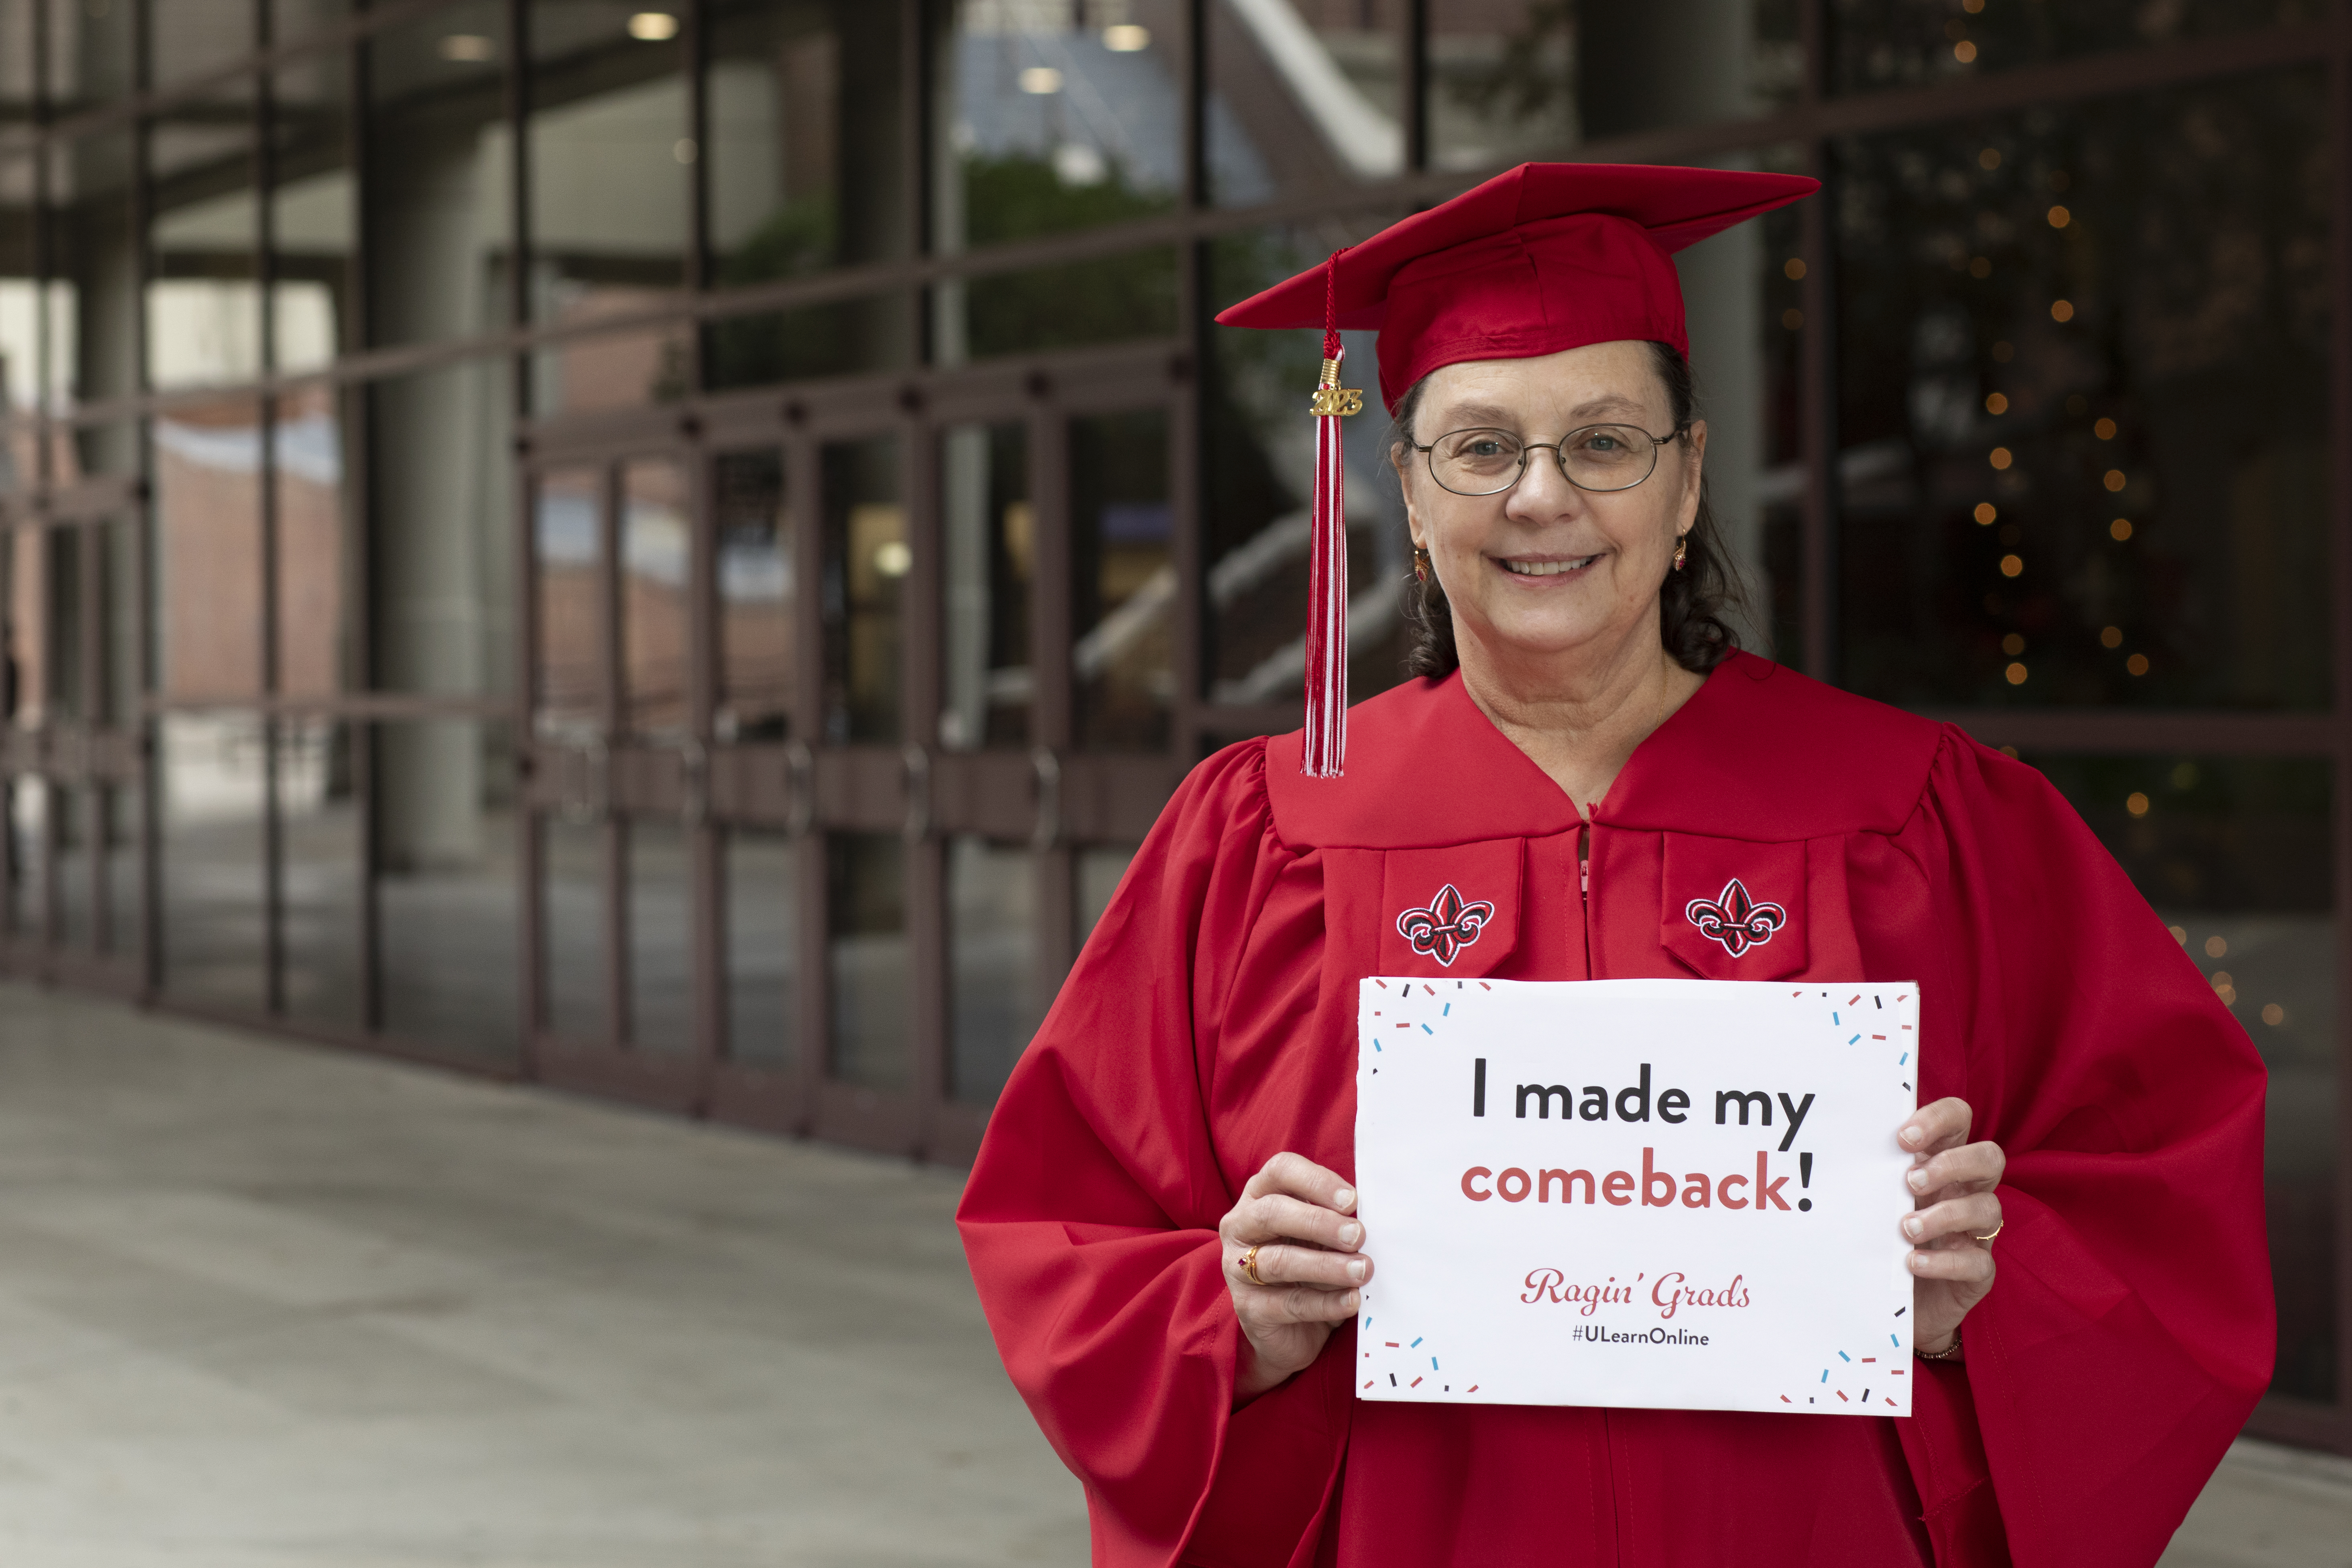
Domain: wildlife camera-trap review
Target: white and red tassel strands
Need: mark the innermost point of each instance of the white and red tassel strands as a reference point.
(1327, 582)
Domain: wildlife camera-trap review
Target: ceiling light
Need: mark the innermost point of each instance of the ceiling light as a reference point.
(1041, 80)
(1126, 38)
(467, 48)
(653, 26)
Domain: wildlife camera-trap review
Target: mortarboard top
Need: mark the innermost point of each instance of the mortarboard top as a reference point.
(1539, 258)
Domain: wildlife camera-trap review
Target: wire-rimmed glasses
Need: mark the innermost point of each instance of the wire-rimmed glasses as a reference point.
(1599, 458)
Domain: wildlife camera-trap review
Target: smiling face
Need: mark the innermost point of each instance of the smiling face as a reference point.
(1547, 572)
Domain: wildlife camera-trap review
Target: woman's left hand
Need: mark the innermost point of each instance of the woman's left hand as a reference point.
(1952, 1182)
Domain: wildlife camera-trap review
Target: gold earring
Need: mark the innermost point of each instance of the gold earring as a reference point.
(1682, 550)
(1419, 564)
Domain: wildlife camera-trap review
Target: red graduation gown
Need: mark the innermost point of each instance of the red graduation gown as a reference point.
(1210, 1023)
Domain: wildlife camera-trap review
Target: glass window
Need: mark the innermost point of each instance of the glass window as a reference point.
(612, 160)
(319, 839)
(1776, 563)
(1743, 358)
(1304, 96)
(2085, 385)
(1054, 121)
(755, 596)
(1890, 43)
(212, 864)
(661, 936)
(439, 234)
(1122, 580)
(989, 541)
(867, 560)
(762, 948)
(445, 891)
(573, 918)
(442, 567)
(76, 888)
(313, 624)
(569, 533)
(1260, 459)
(865, 905)
(993, 1006)
(1502, 81)
(803, 173)
(208, 583)
(1113, 299)
(657, 553)
(2235, 853)
(93, 46)
(191, 37)
(203, 302)
(1527, 79)
(95, 257)
(29, 858)
(1099, 869)
(312, 213)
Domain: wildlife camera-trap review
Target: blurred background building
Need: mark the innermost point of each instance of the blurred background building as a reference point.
(677, 552)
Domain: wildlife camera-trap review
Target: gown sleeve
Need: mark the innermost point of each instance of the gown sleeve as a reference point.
(1090, 1218)
(2129, 1329)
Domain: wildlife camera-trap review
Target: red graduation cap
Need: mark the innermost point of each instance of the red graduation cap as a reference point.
(1542, 258)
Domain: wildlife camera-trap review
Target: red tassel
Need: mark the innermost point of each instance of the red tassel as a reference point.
(1327, 582)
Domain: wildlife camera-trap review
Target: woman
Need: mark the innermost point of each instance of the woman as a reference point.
(1160, 1218)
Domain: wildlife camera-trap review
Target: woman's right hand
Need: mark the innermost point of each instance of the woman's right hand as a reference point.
(1296, 1215)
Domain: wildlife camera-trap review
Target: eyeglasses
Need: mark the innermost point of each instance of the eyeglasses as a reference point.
(1600, 457)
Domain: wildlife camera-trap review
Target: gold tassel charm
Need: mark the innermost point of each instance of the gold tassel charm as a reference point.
(1331, 399)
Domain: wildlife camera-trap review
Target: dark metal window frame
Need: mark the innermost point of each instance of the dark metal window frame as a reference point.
(1098, 799)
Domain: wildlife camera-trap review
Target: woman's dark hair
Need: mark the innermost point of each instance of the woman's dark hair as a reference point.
(1695, 603)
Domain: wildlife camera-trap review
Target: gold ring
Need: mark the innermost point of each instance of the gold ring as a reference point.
(1995, 1231)
(1249, 1267)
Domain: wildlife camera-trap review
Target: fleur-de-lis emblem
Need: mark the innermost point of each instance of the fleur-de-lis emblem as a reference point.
(1446, 927)
(1736, 921)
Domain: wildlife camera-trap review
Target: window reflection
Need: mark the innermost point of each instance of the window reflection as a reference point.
(867, 560)
(762, 948)
(440, 238)
(661, 967)
(2083, 385)
(445, 891)
(1887, 43)
(1123, 580)
(993, 1000)
(611, 157)
(1058, 119)
(208, 549)
(804, 172)
(319, 841)
(213, 766)
(989, 544)
(2234, 854)
(755, 596)
(657, 551)
(1302, 96)
(572, 912)
(307, 448)
(204, 300)
(865, 917)
(311, 211)
(1098, 869)
(568, 532)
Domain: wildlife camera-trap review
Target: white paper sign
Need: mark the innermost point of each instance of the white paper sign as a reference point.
(1667, 1193)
